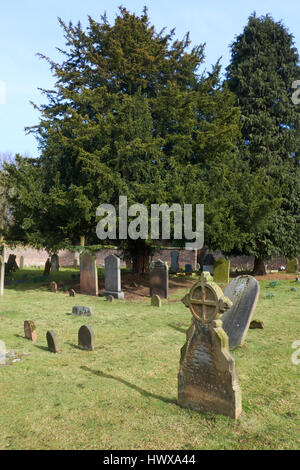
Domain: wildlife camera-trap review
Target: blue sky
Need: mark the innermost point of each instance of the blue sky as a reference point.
(31, 26)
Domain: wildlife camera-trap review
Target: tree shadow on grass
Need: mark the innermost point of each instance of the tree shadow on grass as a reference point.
(143, 392)
(43, 348)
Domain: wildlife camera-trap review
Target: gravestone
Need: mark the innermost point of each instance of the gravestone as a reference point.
(82, 310)
(22, 262)
(53, 342)
(2, 269)
(208, 263)
(88, 274)
(86, 338)
(2, 353)
(11, 265)
(155, 301)
(72, 293)
(221, 271)
(54, 263)
(207, 378)
(53, 287)
(113, 277)
(188, 269)
(109, 298)
(30, 330)
(159, 279)
(75, 263)
(243, 291)
(174, 261)
(292, 266)
(47, 267)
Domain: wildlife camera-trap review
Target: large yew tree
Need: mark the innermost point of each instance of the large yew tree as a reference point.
(264, 65)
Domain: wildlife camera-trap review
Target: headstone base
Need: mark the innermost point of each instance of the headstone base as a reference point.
(116, 295)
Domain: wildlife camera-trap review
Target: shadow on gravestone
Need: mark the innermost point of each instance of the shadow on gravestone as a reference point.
(113, 277)
(86, 338)
(30, 330)
(53, 342)
(207, 378)
(243, 291)
(88, 273)
(159, 279)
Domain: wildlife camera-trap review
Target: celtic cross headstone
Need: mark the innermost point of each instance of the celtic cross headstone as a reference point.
(207, 379)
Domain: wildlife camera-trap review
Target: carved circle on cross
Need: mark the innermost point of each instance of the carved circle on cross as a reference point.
(206, 300)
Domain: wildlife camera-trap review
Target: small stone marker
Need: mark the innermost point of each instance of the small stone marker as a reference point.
(53, 287)
(30, 330)
(207, 379)
(54, 263)
(113, 277)
(53, 342)
(256, 324)
(221, 271)
(155, 301)
(86, 338)
(2, 269)
(82, 310)
(292, 266)
(243, 291)
(174, 261)
(72, 293)
(88, 274)
(159, 279)
(109, 298)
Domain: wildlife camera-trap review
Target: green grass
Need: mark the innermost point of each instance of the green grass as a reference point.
(123, 395)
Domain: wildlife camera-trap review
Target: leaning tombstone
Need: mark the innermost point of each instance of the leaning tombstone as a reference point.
(207, 379)
(159, 279)
(54, 263)
(292, 266)
(30, 330)
(86, 338)
(243, 291)
(113, 277)
(53, 342)
(221, 271)
(88, 273)
(155, 301)
(2, 269)
(174, 261)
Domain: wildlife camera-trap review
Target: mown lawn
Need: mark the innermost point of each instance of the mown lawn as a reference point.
(123, 395)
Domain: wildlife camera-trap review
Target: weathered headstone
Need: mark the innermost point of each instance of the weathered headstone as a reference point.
(53, 287)
(243, 291)
(109, 298)
(54, 263)
(159, 279)
(21, 262)
(47, 267)
(88, 274)
(174, 261)
(188, 268)
(86, 338)
(82, 310)
(207, 379)
(72, 293)
(11, 264)
(292, 266)
(221, 271)
(2, 269)
(113, 277)
(30, 330)
(53, 342)
(208, 263)
(155, 301)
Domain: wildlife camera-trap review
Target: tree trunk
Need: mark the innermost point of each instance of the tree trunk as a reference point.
(82, 240)
(139, 252)
(259, 268)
